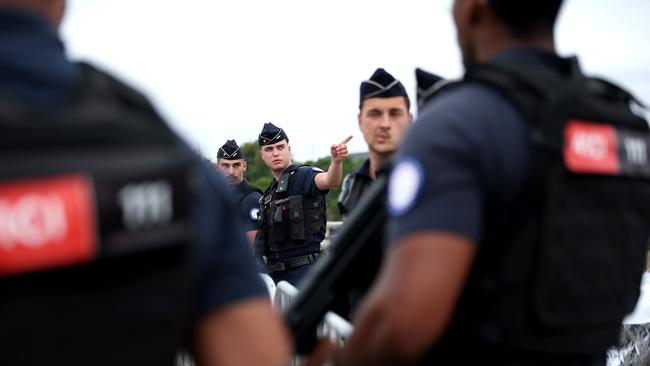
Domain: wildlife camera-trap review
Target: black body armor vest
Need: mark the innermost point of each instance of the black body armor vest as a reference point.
(559, 269)
(97, 255)
(290, 222)
(351, 191)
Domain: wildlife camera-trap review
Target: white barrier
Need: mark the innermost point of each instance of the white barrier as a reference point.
(284, 294)
(331, 229)
(270, 285)
(333, 326)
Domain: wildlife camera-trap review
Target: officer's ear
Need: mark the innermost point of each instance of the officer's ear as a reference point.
(467, 13)
(410, 118)
(478, 11)
(244, 164)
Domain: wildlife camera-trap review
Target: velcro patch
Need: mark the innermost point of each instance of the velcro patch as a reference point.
(596, 148)
(254, 213)
(46, 223)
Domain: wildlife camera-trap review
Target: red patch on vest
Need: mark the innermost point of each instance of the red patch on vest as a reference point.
(46, 223)
(590, 148)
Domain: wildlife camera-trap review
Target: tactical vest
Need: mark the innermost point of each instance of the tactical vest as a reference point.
(559, 269)
(247, 189)
(97, 262)
(350, 193)
(290, 222)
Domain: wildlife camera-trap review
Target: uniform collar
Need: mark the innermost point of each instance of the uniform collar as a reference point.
(241, 186)
(33, 64)
(288, 169)
(533, 55)
(364, 169)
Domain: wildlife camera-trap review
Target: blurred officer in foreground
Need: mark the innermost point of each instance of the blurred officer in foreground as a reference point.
(520, 205)
(232, 163)
(116, 242)
(383, 119)
(293, 212)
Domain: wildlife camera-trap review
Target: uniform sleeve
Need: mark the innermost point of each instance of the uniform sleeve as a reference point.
(250, 209)
(228, 271)
(453, 159)
(305, 175)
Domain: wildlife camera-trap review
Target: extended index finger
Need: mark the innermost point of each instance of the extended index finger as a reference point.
(346, 140)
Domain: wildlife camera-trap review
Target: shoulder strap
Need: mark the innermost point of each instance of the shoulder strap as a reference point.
(248, 189)
(285, 178)
(346, 188)
(548, 99)
(529, 84)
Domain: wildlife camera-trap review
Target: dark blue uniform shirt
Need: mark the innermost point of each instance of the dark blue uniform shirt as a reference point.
(35, 72)
(453, 158)
(469, 145)
(249, 206)
(302, 183)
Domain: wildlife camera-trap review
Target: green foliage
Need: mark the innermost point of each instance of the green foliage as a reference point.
(259, 176)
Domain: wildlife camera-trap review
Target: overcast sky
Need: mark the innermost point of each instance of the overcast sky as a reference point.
(220, 69)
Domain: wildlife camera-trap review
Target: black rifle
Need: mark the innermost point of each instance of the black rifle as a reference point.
(349, 265)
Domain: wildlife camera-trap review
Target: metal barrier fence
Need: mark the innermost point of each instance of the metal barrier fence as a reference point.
(634, 349)
(333, 327)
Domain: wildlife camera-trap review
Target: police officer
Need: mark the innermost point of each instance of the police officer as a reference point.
(383, 119)
(116, 246)
(231, 162)
(293, 212)
(508, 204)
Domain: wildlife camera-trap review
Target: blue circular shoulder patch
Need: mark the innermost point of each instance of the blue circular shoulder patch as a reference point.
(405, 186)
(254, 213)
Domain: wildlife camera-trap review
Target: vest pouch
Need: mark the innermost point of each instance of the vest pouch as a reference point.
(587, 272)
(276, 224)
(296, 218)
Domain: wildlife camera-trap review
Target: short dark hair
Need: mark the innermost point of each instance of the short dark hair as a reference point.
(527, 17)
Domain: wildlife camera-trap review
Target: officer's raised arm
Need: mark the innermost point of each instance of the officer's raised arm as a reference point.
(334, 174)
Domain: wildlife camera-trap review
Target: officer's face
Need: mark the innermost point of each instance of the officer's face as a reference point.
(383, 122)
(233, 170)
(277, 156)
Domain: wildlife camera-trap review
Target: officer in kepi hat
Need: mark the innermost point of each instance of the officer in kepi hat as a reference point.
(293, 214)
(231, 162)
(383, 119)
